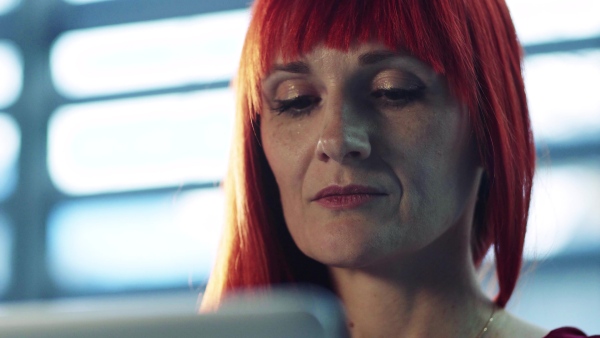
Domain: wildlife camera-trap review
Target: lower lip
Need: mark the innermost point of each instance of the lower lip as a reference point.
(339, 202)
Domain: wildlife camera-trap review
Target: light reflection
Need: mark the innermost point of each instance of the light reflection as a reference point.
(151, 241)
(564, 213)
(149, 55)
(6, 6)
(141, 143)
(11, 68)
(539, 21)
(10, 143)
(6, 241)
(562, 89)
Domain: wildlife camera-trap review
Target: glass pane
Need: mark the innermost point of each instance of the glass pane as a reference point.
(562, 90)
(11, 69)
(152, 241)
(148, 55)
(539, 21)
(10, 142)
(564, 214)
(8, 5)
(6, 241)
(141, 143)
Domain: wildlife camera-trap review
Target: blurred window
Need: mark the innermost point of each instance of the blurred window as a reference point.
(150, 241)
(8, 5)
(6, 242)
(562, 89)
(148, 55)
(11, 69)
(175, 139)
(539, 21)
(564, 213)
(10, 139)
(140, 143)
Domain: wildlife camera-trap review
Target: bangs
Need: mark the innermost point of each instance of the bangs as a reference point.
(435, 32)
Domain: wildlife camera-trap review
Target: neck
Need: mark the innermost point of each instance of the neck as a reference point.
(424, 294)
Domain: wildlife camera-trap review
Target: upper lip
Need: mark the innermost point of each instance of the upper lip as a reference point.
(353, 189)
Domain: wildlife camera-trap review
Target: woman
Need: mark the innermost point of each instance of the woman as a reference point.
(381, 148)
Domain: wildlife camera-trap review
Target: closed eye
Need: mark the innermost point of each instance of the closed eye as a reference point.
(297, 106)
(398, 96)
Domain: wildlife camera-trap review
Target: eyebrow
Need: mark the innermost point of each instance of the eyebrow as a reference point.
(296, 67)
(374, 57)
(369, 58)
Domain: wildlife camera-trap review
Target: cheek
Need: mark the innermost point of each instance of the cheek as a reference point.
(427, 154)
(286, 149)
(449, 168)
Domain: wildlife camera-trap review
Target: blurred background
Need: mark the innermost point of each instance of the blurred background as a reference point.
(115, 124)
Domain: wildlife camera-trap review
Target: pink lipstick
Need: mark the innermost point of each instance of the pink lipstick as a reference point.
(347, 197)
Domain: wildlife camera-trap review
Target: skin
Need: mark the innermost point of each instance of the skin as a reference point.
(385, 120)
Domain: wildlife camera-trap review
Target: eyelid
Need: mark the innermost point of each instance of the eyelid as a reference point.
(272, 83)
(291, 88)
(290, 106)
(395, 78)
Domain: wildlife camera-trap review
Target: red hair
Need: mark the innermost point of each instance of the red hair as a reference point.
(472, 42)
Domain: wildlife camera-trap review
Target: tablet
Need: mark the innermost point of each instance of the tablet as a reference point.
(281, 313)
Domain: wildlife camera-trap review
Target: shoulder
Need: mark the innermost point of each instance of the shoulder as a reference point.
(568, 332)
(511, 326)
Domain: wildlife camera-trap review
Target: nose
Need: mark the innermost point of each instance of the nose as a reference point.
(344, 135)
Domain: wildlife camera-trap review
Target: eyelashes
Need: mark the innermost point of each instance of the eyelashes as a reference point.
(297, 106)
(383, 98)
(398, 97)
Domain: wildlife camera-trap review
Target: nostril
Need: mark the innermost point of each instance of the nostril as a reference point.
(323, 156)
(343, 142)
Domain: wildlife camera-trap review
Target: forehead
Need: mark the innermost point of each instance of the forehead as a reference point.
(322, 58)
(321, 51)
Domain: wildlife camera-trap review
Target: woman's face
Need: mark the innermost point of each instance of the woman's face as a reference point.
(372, 154)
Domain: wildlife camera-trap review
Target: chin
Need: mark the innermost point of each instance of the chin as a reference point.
(347, 262)
(343, 253)
(351, 242)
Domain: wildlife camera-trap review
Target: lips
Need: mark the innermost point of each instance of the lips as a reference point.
(346, 197)
(335, 190)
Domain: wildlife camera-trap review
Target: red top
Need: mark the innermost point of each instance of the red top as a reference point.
(568, 332)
